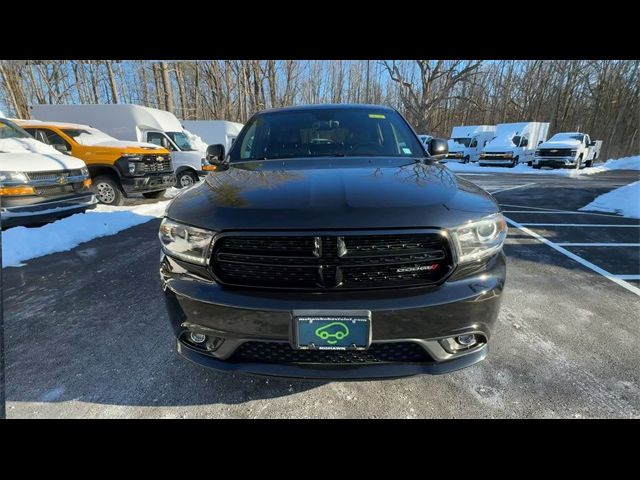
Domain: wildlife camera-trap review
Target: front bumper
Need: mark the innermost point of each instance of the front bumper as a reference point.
(491, 162)
(555, 162)
(45, 211)
(148, 183)
(417, 315)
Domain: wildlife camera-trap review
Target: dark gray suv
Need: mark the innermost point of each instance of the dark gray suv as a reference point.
(330, 243)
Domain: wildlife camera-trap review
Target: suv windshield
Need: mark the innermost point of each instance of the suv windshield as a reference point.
(181, 140)
(11, 130)
(464, 141)
(326, 132)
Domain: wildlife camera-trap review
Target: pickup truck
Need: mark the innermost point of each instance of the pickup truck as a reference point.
(567, 150)
(37, 183)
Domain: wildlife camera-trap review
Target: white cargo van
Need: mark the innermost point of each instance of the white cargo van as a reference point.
(38, 183)
(514, 143)
(214, 132)
(466, 142)
(136, 123)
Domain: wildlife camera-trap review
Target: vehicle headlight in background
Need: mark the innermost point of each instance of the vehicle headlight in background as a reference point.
(185, 242)
(573, 152)
(537, 153)
(84, 171)
(13, 177)
(479, 239)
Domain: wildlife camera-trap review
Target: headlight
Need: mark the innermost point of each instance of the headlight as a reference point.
(479, 239)
(508, 154)
(84, 171)
(132, 167)
(573, 152)
(184, 242)
(13, 177)
(537, 153)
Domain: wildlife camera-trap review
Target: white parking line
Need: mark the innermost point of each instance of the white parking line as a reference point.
(573, 256)
(599, 225)
(512, 188)
(628, 277)
(597, 244)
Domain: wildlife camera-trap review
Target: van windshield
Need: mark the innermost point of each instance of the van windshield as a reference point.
(181, 140)
(11, 130)
(464, 141)
(326, 132)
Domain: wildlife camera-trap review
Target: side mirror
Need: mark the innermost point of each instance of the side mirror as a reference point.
(540, 142)
(438, 148)
(61, 148)
(215, 154)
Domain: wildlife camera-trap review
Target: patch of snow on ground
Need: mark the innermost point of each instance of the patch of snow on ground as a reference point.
(624, 201)
(626, 163)
(21, 243)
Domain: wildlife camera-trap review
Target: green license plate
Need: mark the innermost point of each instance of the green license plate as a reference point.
(332, 330)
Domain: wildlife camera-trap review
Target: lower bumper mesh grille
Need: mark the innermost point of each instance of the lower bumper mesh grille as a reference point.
(273, 352)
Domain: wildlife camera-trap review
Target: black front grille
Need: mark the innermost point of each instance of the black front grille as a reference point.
(51, 190)
(331, 261)
(496, 156)
(275, 352)
(54, 175)
(151, 164)
(555, 152)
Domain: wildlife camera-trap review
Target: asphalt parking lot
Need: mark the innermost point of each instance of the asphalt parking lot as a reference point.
(87, 335)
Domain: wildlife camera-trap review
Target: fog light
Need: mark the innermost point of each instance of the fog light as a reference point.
(197, 337)
(466, 340)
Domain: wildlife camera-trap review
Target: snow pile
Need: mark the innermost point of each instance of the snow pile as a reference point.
(626, 163)
(196, 141)
(26, 145)
(92, 136)
(624, 201)
(20, 243)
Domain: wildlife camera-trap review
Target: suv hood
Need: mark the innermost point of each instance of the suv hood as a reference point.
(331, 194)
(561, 144)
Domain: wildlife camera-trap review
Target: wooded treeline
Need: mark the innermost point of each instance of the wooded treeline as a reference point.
(601, 98)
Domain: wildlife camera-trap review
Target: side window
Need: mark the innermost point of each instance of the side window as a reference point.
(160, 139)
(587, 140)
(246, 148)
(474, 143)
(35, 133)
(56, 141)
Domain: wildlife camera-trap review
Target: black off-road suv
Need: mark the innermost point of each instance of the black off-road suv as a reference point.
(330, 243)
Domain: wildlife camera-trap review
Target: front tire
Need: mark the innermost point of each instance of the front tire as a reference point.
(579, 163)
(186, 179)
(466, 159)
(156, 194)
(514, 162)
(109, 191)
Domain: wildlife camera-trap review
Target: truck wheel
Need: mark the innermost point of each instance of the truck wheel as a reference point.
(514, 162)
(579, 163)
(466, 159)
(589, 163)
(186, 179)
(156, 194)
(109, 192)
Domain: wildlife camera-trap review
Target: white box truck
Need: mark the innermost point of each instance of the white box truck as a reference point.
(214, 132)
(567, 150)
(136, 123)
(514, 143)
(466, 142)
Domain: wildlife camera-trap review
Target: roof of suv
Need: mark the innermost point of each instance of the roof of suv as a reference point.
(319, 106)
